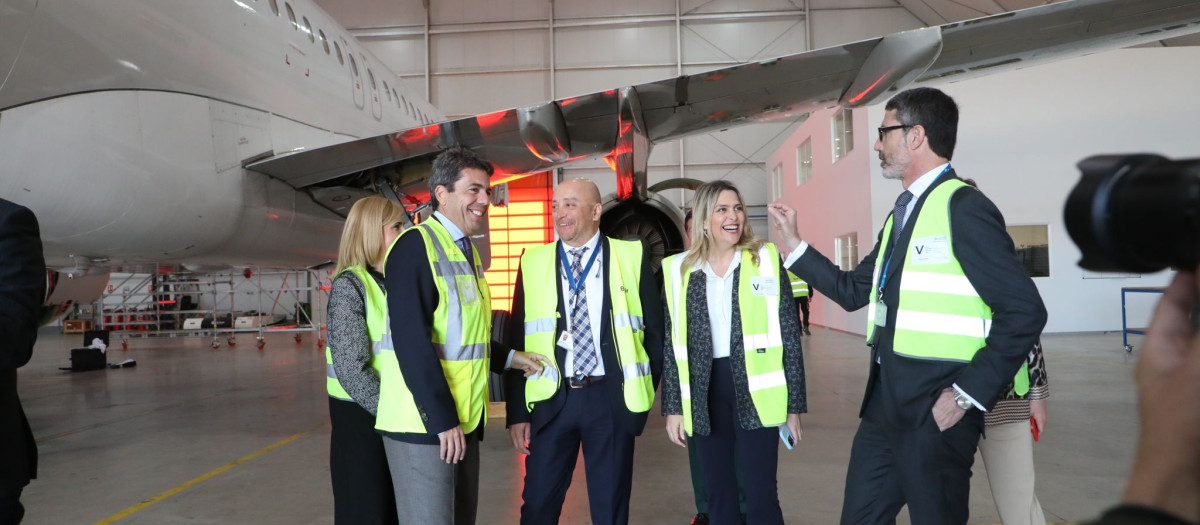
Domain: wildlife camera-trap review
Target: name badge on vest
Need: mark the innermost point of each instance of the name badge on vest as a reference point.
(467, 293)
(880, 314)
(930, 250)
(764, 286)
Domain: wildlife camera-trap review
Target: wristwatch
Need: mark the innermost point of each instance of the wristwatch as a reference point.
(962, 401)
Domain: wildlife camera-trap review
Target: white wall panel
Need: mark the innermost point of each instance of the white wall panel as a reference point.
(490, 51)
(851, 25)
(472, 11)
(581, 82)
(461, 95)
(375, 13)
(403, 56)
(737, 6)
(743, 40)
(605, 45)
(564, 9)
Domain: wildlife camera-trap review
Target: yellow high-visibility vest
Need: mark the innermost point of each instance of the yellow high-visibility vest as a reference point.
(377, 330)
(539, 282)
(939, 315)
(462, 325)
(762, 335)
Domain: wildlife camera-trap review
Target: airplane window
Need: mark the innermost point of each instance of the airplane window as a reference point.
(338, 48)
(353, 65)
(371, 76)
(308, 29)
(324, 41)
(275, 7)
(291, 16)
(396, 97)
(386, 91)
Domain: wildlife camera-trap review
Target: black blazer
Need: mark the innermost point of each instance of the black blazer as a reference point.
(652, 313)
(22, 294)
(985, 251)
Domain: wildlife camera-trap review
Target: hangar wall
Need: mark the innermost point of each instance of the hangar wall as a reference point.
(1020, 135)
(485, 56)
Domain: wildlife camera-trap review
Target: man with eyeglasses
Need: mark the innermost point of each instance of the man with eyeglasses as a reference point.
(951, 316)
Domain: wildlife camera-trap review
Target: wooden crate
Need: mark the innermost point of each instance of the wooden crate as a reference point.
(76, 326)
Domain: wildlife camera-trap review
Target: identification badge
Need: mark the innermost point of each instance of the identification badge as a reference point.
(565, 341)
(930, 250)
(880, 314)
(764, 286)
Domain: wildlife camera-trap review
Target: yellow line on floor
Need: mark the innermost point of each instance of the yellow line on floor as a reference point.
(129, 511)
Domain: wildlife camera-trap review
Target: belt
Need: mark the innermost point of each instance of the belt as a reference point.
(574, 382)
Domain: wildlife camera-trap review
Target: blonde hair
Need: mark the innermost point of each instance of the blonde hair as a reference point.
(703, 205)
(362, 236)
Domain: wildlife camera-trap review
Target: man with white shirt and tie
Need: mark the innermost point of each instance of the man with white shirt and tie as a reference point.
(591, 305)
(952, 315)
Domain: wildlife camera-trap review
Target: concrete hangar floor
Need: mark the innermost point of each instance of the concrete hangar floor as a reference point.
(238, 435)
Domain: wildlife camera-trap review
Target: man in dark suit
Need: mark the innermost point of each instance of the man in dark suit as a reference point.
(22, 291)
(592, 305)
(953, 315)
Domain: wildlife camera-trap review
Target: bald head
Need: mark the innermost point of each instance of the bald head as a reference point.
(576, 211)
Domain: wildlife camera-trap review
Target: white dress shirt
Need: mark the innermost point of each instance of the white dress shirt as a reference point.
(719, 290)
(594, 287)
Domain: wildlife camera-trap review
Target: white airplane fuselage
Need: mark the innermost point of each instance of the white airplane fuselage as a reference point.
(124, 125)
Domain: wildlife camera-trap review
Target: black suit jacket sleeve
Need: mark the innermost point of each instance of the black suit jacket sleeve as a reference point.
(514, 381)
(652, 314)
(412, 298)
(985, 250)
(22, 284)
(851, 290)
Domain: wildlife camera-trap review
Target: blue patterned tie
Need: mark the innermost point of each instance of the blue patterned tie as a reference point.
(581, 322)
(464, 244)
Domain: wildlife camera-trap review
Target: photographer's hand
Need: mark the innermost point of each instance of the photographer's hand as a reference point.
(1166, 472)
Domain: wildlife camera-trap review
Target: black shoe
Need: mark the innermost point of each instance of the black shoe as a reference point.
(700, 519)
(806, 332)
(743, 519)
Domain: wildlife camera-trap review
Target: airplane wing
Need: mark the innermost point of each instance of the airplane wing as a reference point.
(621, 125)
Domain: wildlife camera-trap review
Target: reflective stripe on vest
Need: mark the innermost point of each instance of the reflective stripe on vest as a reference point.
(378, 331)
(940, 316)
(761, 334)
(461, 334)
(540, 282)
(799, 287)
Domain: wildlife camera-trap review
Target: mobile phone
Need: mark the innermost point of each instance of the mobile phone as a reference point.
(1033, 425)
(785, 435)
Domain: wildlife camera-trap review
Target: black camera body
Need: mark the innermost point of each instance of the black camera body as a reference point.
(1136, 213)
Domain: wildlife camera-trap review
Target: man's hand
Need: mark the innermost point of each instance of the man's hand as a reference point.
(675, 431)
(529, 363)
(783, 217)
(519, 433)
(1037, 409)
(945, 411)
(454, 445)
(1166, 472)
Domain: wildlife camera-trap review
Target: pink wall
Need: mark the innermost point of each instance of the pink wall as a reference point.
(834, 202)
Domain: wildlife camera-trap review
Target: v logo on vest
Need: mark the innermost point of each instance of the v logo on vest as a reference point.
(919, 249)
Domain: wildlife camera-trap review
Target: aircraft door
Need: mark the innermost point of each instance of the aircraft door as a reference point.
(356, 80)
(376, 103)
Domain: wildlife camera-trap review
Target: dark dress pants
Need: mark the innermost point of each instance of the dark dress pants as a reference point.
(758, 450)
(362, 484)
(11, 510)
(803, 301)
(927, 469)
(586, 419)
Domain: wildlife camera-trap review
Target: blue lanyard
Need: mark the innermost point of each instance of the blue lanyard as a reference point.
(888, 262)
(573, 286)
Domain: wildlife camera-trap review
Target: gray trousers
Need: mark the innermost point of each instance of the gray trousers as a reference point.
(430, 491)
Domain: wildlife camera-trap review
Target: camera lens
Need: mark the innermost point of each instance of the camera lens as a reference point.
(1136, 213)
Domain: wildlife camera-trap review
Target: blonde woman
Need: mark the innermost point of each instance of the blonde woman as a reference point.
(736, 379)
(362, 484)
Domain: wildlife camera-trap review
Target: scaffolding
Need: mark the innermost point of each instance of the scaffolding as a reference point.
(220, 306)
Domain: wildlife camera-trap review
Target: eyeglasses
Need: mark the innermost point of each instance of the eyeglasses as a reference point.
(885, 129)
